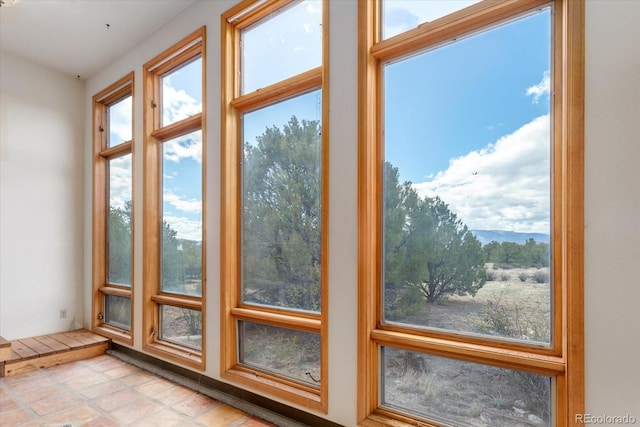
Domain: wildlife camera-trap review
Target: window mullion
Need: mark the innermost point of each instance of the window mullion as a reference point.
(490, 355)
(118, 150)
(452, 27)
(277, 319)
(296, 85)
(176, 129)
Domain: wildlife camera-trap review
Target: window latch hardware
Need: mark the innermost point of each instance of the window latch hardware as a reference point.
(311, 376)
(100, 316)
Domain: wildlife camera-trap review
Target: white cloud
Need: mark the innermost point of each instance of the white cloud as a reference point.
(177, 104)
(120, 125)
(541, 89)
(193, 206)
(120, 181)
(314, 7)
(504, 186)
(184, 147)
(186, 228)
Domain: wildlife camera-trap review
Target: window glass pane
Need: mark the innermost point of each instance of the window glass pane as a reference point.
(286, 352)
(282, 45)
(282, 204)
(181, 326)
(453, 392)
(402, 15)
(182, 93)
(182, 215)
(117, 311)
(467, 184)
(120, 122)
(119, 221)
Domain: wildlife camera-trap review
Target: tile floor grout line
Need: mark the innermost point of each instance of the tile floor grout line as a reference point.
(249, 408)
(68, 378)
(57, 380)
(21, 403)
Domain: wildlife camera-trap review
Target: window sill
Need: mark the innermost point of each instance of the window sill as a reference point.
(383, 420)
(266, 384)
(187, 357)
(118, 335)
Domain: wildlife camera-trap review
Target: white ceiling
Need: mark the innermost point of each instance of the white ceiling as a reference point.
(78, 37)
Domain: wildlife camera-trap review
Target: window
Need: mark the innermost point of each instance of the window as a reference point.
(112, 210)
(174, 271)
(274, 193)
(470, 213)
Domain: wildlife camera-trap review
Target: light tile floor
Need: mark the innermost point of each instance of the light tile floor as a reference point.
(106, 391)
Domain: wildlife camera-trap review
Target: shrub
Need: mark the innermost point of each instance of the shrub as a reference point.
(496, 320)
(491, 276)
(504, 277)
(524, 319)
(402, 302)
(523, 277)
(541, 276)
(535, 392)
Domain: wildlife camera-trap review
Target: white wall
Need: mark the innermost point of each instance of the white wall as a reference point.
(343, 224)
(612, 235)
(41, 193)
(612, 208)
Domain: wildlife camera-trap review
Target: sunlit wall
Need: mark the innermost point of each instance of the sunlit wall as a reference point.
(41, 194)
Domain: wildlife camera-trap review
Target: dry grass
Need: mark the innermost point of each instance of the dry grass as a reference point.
(470, 394)
(468, 314)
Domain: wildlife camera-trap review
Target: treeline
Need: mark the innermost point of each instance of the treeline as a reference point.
(181, 263)
(513, 255)
(181, 258)
(429, 253)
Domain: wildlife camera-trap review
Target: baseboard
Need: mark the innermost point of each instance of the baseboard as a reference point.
(269, 410)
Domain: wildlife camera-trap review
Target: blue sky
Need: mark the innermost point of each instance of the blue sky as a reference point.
(305, 107)
(463, 96)
(120, 169)
(182, 156)
(287, 44)
(403, 15)
(468, 122)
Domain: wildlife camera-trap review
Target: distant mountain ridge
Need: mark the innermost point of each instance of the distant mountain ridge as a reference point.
(488, 236)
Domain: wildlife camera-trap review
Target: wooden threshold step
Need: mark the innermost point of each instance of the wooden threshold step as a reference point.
(5, 349)
(28, 354)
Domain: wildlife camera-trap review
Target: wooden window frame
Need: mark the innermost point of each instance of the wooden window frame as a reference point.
(190, 48)
(563, 360)
(102, 153)
(232, 309)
